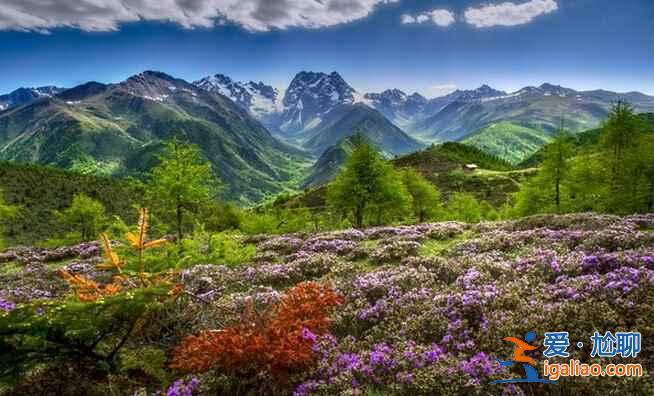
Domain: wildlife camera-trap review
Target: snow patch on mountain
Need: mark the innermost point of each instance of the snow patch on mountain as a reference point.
(310, 96)
(259, 99)
(23, 96)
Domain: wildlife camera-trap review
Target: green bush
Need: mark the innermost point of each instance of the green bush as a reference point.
(464, 207)
(85, 217)
(52, 332)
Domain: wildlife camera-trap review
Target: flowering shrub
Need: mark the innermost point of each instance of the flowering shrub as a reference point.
(207, 281)
(182, 388)
(282, 245)
(394, 250)
(271, 274)
(411, 319)
(277, 342)
(6, 305)
(316, 265)
(337, 246)
(349, 235)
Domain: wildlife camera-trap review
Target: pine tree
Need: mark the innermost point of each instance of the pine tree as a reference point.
(180, 184)
(555, 168)
(620, 135)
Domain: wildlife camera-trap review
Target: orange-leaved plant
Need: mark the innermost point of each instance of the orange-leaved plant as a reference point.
(138, 241)
(278, 343)
(89, 290)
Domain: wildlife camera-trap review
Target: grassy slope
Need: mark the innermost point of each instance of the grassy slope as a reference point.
(442, 165)
(509, 141)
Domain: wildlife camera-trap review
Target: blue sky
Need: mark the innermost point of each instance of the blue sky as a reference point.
(425, 46)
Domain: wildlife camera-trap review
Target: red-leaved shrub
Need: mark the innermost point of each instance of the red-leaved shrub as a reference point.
(279, 342)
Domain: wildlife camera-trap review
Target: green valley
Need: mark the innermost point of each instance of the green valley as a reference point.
(509, 141)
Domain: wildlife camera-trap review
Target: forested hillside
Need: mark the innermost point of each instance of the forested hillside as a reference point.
(38, 191)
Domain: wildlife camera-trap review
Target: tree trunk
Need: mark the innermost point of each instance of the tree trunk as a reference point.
(558, 195)
(179, 224)
(358, 216)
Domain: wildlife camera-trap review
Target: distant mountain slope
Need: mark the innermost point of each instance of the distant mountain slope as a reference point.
(348, 120)
(398, 107)
(117, 129)
(22, 96)
(407, 111)
(540, 108)
(328, 165)
(509, 141)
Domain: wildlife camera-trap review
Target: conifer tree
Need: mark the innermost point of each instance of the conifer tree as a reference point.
(620, 134)
(180, 184)
(555, 168)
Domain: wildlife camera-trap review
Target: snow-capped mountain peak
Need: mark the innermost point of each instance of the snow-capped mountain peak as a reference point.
(311, 95)
(259, 99)
(323, 89)
(484, 92)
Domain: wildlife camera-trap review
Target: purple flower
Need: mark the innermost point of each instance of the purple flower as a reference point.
(305, 388)
(432, 355)
(480, 364)
(555, 266)
(6, 305)
(380, 356)
(307, 335)
(404, 377)
(349, 361)
(179, 388)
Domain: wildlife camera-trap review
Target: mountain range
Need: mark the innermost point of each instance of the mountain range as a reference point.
(260, 138)
(25, 95)
(315, 112)
(119, 129)
(485, 117)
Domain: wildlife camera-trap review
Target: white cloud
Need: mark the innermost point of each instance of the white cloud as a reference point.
(508, 14)
(253, 15)
(443, 18)
(407, 19)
